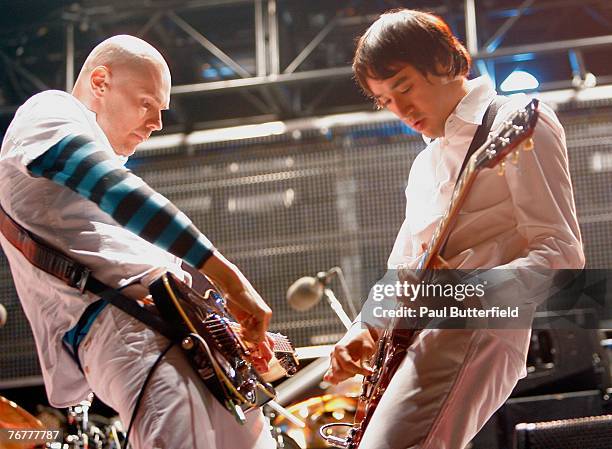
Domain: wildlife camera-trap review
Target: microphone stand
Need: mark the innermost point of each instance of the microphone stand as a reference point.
(325, 277)
(337, 307)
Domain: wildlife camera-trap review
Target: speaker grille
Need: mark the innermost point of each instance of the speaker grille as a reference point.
(593, 432)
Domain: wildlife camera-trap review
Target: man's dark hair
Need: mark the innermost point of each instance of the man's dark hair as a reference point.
(402, 36)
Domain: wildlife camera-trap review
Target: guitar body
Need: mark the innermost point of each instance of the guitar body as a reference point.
(213, 345)
(389, 354)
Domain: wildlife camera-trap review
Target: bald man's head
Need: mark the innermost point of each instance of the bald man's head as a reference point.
(123, 51)
(126, 82)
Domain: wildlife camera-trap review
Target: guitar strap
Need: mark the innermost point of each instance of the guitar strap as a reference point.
(481, 134)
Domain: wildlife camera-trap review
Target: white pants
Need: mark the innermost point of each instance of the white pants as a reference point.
(176, 411)
(449, 384)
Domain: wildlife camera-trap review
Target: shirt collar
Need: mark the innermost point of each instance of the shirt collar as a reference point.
(473, 105)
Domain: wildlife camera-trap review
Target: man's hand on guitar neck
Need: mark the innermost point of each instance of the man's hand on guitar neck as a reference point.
(351, 355)
(244, 303)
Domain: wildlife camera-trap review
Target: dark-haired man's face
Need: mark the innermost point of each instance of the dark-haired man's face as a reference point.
(422, 102)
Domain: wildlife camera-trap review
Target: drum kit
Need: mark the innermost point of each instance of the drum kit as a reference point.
(80, 430)
(77, 430)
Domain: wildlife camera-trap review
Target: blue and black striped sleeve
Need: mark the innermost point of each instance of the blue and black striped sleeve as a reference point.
(78, 163)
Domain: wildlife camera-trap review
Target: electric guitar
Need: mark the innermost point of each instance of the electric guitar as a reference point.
(394, 342)
(211, 339)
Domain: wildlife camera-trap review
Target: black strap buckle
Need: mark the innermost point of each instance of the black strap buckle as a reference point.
(78, 277)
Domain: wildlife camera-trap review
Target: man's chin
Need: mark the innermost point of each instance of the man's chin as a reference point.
(126, 151)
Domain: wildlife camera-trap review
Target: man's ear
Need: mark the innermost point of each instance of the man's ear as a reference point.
(99, 80)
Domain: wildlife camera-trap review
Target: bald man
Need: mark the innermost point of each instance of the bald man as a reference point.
(62, 177)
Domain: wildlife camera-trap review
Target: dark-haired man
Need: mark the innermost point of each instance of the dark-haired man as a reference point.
(452, 380)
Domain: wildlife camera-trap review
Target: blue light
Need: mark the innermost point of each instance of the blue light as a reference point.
(519, 80)
(523, 57)
(210, 72)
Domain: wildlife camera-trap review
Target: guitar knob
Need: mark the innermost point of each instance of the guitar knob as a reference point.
(528, 144)
(187, 343)
(502, 168)
(515, 157)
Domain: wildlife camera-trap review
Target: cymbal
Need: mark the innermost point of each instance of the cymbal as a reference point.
(14, 417)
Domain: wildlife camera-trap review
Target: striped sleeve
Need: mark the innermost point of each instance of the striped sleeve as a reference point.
(79, 164)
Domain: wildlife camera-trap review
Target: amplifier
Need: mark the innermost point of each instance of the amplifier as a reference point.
(592, 432)
(498, 432)
(562, 360)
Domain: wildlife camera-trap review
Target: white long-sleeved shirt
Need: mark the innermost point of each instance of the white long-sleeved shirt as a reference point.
(525, 218)
(522, 224)
(71, 223)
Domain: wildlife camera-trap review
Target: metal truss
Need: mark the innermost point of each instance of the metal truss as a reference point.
(267, 85)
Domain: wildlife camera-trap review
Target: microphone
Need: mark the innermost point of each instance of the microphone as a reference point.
(307, 291)
(3, 315)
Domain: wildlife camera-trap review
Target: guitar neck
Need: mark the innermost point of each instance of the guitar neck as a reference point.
(515, 130)
(446, 223)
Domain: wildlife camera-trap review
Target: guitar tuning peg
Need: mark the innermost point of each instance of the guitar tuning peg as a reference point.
(528, 144)
(502, 168)
(515, 157)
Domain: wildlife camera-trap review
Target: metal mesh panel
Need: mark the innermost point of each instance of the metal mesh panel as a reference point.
(594, 432)
(18, 358)
(590, 155)
(282, 208)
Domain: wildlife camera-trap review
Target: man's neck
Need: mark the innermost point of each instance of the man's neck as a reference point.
(456, 95)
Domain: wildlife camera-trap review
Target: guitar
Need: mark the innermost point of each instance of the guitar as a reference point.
(212, 342)
(394, 342)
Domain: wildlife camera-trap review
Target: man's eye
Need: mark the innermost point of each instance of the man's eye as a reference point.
(381, 104)
(406, 90)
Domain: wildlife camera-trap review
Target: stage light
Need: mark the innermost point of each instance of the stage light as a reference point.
(519, 80)
(236, 133)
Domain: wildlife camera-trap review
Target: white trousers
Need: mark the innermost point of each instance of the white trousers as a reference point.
(447, 387)
(177, 411)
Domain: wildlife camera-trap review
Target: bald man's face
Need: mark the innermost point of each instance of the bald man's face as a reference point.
(131, 102)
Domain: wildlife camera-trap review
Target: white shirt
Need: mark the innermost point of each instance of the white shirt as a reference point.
(526, 218)
(71, 223)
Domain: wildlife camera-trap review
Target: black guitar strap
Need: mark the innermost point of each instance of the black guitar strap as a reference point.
(132, 308)
(480, 137)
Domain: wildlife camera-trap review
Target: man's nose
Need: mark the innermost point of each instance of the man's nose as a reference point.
(403, 107)
(154, 123)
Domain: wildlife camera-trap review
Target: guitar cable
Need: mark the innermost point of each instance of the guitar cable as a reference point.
(142, 390)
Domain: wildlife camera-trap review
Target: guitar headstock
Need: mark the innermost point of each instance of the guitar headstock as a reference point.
(516, 130)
